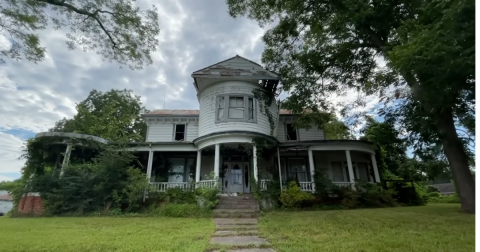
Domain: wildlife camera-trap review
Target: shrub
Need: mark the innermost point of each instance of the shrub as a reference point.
(207, 197)
(373, 195)
(180, 210)
(350, 198)
(293, 196)
(177, 196)
(444, 199)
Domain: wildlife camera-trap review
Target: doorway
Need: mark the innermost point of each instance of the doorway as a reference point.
(236, 178)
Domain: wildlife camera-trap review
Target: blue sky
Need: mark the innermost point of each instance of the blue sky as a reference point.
(194, 34)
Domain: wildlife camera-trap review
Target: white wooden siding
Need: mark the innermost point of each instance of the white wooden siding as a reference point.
(303, 134)
(207, 99)
(163, 132)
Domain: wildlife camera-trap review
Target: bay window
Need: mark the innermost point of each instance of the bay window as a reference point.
(235, 108)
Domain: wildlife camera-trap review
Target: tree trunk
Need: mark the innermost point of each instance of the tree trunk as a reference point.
(457, 159)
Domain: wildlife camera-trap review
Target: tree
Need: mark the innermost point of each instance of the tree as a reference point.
(114, 115)
(325, 46)
(335, 129)
(116, 29)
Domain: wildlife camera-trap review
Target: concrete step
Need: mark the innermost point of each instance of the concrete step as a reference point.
(236, 206)
(236, 213)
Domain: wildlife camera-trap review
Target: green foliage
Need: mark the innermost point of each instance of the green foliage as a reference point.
(96, 113)
(427, 85)
(293, 196)
(207, 197)
(117, 30)
(102, 185)
(180, 210)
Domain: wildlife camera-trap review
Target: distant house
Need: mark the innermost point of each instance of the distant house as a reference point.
(445, 188)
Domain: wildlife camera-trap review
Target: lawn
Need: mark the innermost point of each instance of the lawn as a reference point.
(436, 228)
(104, 234)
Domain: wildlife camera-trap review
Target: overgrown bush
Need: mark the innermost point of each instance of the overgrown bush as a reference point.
(207, 197)
(293, 196)
(177, 195)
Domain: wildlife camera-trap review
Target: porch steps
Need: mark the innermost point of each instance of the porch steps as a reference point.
(244, 206)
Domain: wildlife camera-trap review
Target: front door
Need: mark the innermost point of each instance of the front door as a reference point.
(236, 177)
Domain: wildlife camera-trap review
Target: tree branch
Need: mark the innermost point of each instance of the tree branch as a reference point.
(93, 15)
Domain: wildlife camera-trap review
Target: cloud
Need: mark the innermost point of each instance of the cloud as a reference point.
(194, 34)
(10, 151)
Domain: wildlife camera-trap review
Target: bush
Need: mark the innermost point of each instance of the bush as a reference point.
(444, 199)
(373, 195)
(207, 197)
(177, 196)
(180, 210)
(293, 196)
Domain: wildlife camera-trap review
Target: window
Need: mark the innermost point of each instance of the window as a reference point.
(362, 168)
(235, 108)
(291, 132)
(297, 169)
(179, 134)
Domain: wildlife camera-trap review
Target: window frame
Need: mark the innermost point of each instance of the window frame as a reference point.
(226, 106)
(286, 132)
(175, 132)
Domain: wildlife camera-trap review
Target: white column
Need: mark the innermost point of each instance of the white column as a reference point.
(66, 158)
(312, 168)
(199, 165)
(375, 168)
(279, 169)
(216, 164)
(255, 168)
(350, 167)
(149, 165)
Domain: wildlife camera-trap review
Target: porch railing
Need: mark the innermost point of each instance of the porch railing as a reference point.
(307, 186)
(263, 184)
(344, 184)
(163, 186)
(207, 183)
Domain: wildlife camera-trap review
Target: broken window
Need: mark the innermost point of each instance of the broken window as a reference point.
(179, 132)
(291, 132)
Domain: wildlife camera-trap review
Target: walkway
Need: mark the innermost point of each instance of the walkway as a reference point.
(238, 235)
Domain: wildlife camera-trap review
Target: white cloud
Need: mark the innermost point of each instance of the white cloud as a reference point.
(10, 151)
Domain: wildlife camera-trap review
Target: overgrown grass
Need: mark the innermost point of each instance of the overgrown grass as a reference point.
(104, 234)
(435, 228)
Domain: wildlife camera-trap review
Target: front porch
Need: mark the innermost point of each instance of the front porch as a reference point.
(232, 166)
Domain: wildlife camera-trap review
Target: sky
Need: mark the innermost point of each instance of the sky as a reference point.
(194, 34)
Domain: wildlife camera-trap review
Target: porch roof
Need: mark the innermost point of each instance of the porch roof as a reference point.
(326, 145)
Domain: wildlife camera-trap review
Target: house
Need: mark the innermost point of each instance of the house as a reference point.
(6, 203)
(236, 111)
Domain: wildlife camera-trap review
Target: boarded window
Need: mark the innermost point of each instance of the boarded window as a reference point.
(179, 132)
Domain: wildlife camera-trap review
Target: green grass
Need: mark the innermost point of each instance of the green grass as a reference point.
(104, 234)
(436, 228)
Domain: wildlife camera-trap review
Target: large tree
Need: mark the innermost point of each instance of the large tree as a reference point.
(116, 29)
(423, 50)
(113, 115)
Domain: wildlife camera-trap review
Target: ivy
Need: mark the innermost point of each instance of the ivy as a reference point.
(265, 101)
(263, 145)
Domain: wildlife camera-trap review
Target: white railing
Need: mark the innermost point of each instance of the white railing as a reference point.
(263, 184)
(207, 183)
(163, 186)
(307, 186)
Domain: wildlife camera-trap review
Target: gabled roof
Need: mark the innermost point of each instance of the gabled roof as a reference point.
(238, 67)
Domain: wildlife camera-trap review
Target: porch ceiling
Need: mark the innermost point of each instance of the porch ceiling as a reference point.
(329, 145)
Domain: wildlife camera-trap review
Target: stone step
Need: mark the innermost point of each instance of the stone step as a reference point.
(238, 240)
(237, 215)
(236, 227)
(230, 221)
(239, 202)
(236, 206)
(235, 232)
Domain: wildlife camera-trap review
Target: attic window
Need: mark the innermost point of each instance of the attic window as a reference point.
(291, 132)
(179, 133)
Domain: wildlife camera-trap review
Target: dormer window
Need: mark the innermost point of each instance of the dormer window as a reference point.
(179, 133)
(292, 133)
(235, 108)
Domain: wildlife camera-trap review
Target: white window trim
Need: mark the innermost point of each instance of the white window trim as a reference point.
(175, 132)
(226, 99)
(286, 132)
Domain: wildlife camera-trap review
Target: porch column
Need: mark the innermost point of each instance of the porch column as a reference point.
(149, 165)
(255, 168)
(199, 164)
(216, 164)
(280, 170)
(350, 167)
(66, 158)
(312, 168)
(375, 168)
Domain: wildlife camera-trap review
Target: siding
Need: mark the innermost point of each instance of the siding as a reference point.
(163, 132)
(207, 99)
(304, 135)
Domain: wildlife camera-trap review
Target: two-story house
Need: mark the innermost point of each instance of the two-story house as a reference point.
(187, 146)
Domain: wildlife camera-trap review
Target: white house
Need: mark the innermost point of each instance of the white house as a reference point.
(186, 146)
